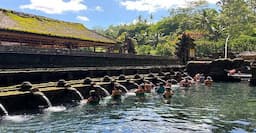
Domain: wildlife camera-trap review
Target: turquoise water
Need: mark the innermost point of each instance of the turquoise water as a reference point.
(222, 108)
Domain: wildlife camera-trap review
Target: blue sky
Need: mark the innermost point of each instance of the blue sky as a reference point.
(97, 13)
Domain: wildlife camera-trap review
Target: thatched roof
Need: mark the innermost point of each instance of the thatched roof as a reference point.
(16, 21)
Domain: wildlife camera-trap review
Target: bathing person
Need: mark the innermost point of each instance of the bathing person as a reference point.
(232, 71)
(208, 81)
(178, 76)
(168, 83)
(160, 89)
(140, 91)
(148, 86)
(197, 77)
(185, 83)
(173, 81)
(202, 78)
(168, 93)
(94, 98)
(116, 92)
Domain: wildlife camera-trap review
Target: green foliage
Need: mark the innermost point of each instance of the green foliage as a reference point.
(206, 48)
(144, 49)
(236, 18)
(243, 43)
(166, 49)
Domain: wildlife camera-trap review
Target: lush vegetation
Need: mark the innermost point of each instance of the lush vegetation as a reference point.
(233, 21)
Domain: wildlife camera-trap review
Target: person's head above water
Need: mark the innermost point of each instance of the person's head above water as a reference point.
(209, 78)
(168, 89)
(142, 86)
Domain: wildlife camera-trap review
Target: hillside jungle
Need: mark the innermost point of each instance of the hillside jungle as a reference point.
(232, 20)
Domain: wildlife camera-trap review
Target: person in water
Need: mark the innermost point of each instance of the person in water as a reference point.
(185, 83)
(140, 91)
(94, 98)
(168, 83)
(148, 86)
(160, 89)
(197, 77)
(168, 93)
(202, 78)
(208, 81)
(116, 92)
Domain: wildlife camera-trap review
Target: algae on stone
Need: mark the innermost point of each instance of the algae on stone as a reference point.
(46, 26)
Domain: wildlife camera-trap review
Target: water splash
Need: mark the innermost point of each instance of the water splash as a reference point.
(47, 100)
(129, 94)
(41, 94)
(77, 92)
(4, 111)
(55, 109)
(123, 88)
(104, 90)
(17, 118)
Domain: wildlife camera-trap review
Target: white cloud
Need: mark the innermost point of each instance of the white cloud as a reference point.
(55, 6)
(154, 5)
(99, 9)
(83, 18)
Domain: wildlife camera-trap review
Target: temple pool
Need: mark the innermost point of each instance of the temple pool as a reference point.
(225, 107)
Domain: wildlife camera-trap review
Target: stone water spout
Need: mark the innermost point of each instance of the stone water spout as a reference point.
(123, 88)
(137, 76)
(161, 74)
(69, 88)
(107, 79)
(78, 94)
(100, 88)
(87, 81)
(27, 86)
(133, 85)
(36, 92)
(121, 77)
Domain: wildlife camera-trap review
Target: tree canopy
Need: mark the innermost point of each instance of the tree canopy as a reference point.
(208, 27)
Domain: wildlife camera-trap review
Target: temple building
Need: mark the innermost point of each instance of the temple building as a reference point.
(20, 29)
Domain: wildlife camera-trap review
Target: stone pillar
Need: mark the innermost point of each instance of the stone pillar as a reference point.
(253, 79)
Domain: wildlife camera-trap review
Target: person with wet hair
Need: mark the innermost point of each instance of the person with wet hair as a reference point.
(168, 93)
(94, 98)
(197, 77)
(185, 82)
(208, 81)
(148, 86)
(168, 83)
(116, 92)
(140, 91)
(202, 78)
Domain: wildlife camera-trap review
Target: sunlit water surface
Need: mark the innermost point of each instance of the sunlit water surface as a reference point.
(221, 108)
